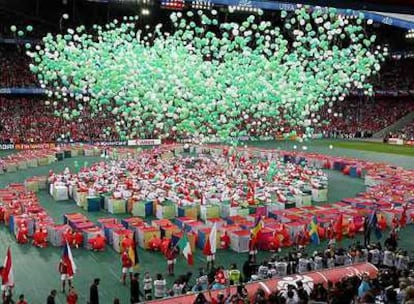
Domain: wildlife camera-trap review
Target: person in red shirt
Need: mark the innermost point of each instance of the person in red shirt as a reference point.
(171, 258)
(77, 239)
(64, 275)
(72, 297)
(253, 247)
(2, 214)
(68, 237)
(126, 266)
(39, 238)
(98, 243)
(225, 241)
(21, 300)
(351, 229)
(126, 243)
(22, 234)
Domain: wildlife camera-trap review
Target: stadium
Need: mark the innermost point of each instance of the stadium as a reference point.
(218, 151)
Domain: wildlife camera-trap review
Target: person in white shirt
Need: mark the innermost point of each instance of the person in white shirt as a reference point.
(303, 265)
(160, 287)
(263, 271)
(147, 286)
(375, 256)
(402, 261)
(388, 258)
(281, 268)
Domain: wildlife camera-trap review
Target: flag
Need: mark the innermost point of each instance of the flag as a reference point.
(67, 258)
(185, 248)
(403, 219)
(314, 231)
(213, 239)
(133, 253)
(7, 274)
(338, 227)
(257, 227)
(373, 223)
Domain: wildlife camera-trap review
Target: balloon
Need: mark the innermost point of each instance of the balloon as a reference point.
(208, 80)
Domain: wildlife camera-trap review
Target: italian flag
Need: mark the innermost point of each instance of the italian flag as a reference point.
(185, 248)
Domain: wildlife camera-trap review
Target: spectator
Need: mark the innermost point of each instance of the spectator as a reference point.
(72, 297)
(21, 300)
(51, 297)
(135, 290)
(160, 287)
(93, 292)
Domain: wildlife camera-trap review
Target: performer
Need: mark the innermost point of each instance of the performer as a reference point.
(351, 229)
(39, 238)
(2, 211)
(98, 243)
(126, 266)
(22, 234)
(77, 239)
(126, 243)
(253, 247)
(68, 237)
(171, 255)
(64, 275)
(225, 241)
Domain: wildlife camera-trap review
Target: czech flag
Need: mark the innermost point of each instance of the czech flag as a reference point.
(67, 258)
(314, 231)
(7, 274)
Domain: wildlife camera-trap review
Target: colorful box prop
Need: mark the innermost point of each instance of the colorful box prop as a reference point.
(181, 221)
(93, 204)
(109, 230)
(60, 192)
(239, 240)
(168, 231)
(118, 236)
(143, 209)
(55, 234)
(116, 206)
(80, 197)
(165, 210)
(209, 211)
(226, 209)
(145, 234)
(31, 184)
(132, 222)
(319, 195)
(189, 211)
(89, 234)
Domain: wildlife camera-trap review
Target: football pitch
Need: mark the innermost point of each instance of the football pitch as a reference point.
(36, 271)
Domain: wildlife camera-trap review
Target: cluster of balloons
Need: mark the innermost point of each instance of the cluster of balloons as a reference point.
(209, 78)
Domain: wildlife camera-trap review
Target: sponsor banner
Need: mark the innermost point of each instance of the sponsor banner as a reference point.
(144, 142)
(6, 146)
(410, 142)
(22, 91)
(309, 280)
(110, 143)
(395, 141)
(34, 146)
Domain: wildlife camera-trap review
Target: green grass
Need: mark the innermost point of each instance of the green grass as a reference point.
(368, 146)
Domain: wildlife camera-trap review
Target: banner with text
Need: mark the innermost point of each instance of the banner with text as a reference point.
(144, 142)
